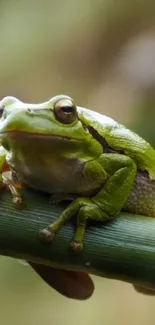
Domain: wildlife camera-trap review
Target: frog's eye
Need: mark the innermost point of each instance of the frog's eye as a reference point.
(65, 111)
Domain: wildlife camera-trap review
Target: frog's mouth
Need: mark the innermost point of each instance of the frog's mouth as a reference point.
(27, 135)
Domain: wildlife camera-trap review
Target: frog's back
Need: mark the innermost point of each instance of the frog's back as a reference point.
(118, 137)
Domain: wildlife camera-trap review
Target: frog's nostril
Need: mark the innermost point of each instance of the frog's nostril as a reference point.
(30, 111)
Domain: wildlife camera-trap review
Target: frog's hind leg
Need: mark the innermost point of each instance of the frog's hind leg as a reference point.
(86, 212)
(85, 209)
(105, 205)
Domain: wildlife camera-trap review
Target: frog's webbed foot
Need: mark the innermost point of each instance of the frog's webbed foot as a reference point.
(11, 182)
(84, 209)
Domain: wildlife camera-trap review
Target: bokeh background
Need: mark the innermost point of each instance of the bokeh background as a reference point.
(102, 53)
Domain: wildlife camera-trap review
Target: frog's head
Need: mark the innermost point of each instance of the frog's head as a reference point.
(58, 118)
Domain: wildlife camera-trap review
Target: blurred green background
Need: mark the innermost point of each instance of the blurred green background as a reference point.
(102, 53)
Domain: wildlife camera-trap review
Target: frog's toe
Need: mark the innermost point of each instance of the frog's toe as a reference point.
(77, 246)
(19, 202)
(46, 235)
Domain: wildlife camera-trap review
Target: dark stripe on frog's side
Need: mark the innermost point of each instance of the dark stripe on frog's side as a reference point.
(102, 141)
(142, 198)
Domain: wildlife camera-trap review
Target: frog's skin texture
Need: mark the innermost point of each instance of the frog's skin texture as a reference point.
(78, 154)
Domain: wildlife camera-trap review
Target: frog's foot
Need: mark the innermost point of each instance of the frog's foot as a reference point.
(17, 199)
(77, 246)
(84, 209)
(46, 235)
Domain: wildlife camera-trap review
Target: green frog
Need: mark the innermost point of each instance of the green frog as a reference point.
(76, 154)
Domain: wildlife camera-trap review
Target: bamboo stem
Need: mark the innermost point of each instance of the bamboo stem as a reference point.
(123, 249)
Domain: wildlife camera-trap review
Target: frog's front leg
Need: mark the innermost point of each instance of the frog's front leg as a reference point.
(106, 204)
(14, 187)
(6, 180)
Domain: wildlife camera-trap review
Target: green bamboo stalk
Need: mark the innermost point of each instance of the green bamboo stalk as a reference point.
(122, 249)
